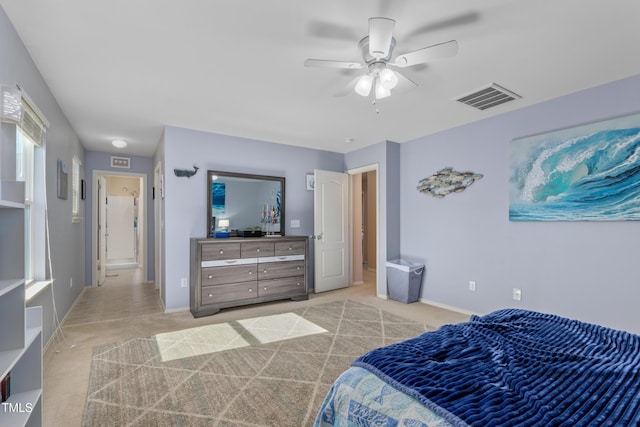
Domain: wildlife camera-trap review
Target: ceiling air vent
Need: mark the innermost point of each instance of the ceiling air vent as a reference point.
(488, 97)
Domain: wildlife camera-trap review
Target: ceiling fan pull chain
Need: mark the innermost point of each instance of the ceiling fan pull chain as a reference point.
(375, 107)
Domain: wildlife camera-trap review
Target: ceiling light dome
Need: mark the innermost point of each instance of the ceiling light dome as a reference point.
(381, 91)
(119, 143)
(388, 79)
(363, 87)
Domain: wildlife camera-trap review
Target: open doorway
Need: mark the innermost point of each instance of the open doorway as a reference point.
(346, 229)
(364, 225)
(118, 225)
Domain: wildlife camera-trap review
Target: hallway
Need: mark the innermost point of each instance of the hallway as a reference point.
(122, 295)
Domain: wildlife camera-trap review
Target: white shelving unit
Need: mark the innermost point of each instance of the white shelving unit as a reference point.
(20, 327)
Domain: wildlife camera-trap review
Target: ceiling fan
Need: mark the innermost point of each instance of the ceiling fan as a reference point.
(377, 52)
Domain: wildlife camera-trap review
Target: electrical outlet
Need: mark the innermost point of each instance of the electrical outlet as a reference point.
(472, 285)
(183, 282)
(517, 294)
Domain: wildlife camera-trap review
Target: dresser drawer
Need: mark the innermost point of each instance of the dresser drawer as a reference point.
(218, 251)
(232, 292)
(290, 248)
(256, 249)
(229, 274)
(287, 285)
(272, 270)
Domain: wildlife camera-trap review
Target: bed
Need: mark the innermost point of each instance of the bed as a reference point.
(509, 368)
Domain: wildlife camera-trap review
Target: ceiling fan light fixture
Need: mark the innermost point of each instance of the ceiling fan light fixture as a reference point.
(381, 91)
(364, 84)
(388, 79)
(119, 143)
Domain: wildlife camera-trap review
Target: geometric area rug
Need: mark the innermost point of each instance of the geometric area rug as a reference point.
(267, 371)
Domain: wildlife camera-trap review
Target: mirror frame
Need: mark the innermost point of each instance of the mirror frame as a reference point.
(279, 179)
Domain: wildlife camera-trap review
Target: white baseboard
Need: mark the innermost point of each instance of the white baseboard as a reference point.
(57, 328)
(447, 307)
(175, 310)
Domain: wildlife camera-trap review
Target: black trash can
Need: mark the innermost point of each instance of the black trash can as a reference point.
(404, 280)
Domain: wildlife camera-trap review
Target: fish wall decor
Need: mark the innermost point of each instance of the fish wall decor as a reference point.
(447, 181)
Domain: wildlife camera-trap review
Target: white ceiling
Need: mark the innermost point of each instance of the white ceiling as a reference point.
(124, 69)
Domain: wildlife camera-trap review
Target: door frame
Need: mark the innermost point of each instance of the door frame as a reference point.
(94, 220)
(158, 226)
(359, 170)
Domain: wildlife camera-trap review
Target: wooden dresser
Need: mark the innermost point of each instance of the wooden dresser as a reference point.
(239, 271)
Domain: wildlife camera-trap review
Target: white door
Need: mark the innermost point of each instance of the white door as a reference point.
(102, 229)
(120, 228)
(331, 221)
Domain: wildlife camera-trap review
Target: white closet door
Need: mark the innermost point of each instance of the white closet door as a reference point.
(120, 230)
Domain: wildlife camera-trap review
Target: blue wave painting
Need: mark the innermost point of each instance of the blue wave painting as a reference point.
(587, 173)
(218, 193)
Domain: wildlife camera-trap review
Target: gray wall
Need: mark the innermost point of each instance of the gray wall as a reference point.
(585, 270)
(185, 202)
(16, 67)
(97, 161)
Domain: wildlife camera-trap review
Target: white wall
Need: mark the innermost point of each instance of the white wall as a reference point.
(585, 270)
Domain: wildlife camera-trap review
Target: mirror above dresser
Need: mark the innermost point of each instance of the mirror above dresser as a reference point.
(245, 205)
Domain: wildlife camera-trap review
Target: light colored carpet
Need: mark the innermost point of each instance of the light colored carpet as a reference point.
(268, 371)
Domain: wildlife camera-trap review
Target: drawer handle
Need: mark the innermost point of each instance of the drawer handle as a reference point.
(290, 248)
(210, 276)
(298, 283)
(265, 271)
(265, 288)
(298, 268)
(250, 290)
(221, 251)
(251, 272)
(210, 295)
(258, 250)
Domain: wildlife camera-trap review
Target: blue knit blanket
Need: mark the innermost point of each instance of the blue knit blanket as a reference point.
(518, 368)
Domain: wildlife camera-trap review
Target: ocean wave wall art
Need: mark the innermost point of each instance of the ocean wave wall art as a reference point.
(586, 173)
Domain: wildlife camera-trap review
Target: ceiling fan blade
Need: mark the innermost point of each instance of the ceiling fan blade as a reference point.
(347, 89)
(461, 19)
(404, 83)
(426, 54)
(328, 63)
(380, 35)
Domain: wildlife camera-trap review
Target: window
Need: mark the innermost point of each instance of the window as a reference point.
(75, 189)
(25, 150)
(30, 135)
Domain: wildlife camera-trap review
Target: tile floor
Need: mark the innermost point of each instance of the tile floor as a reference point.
(124, 308)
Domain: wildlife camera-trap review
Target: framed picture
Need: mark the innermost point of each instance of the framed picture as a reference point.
(584, 173)
(63, 177)
(83, 189)
(311, 181)
(121, 162)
